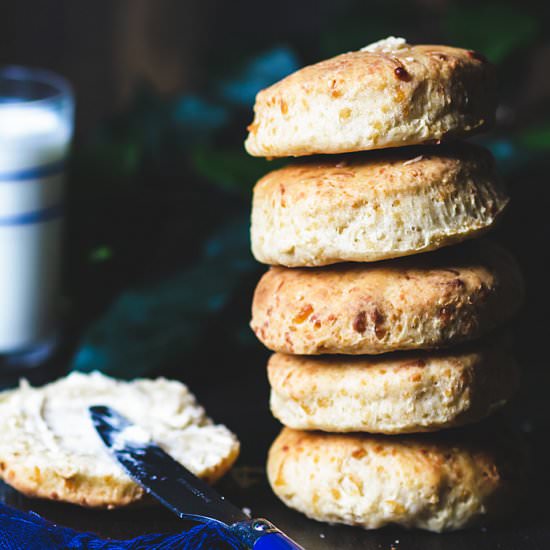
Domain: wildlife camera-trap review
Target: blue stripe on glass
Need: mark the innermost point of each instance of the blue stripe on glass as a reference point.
(33, 173)
(38, 216)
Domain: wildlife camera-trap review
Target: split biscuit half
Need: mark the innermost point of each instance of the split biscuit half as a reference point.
(49, 448)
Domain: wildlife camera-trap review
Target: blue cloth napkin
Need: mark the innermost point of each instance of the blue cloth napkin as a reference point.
(28, 531)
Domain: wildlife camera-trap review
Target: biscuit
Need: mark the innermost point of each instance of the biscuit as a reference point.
(438, 482)
(391, 394)
(389, 94)
(373, 206)
(421, 302)
(49, 447)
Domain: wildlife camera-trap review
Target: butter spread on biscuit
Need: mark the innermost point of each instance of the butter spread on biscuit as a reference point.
(387, 45)
(49, 426)
(132, 434)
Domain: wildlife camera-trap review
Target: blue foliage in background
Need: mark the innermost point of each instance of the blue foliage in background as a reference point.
(260, 72)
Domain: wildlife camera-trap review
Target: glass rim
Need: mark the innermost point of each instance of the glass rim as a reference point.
(61, 87)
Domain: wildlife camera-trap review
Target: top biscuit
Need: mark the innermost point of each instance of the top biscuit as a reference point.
(388, 94)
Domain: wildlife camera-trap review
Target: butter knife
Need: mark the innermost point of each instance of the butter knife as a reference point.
(177, 488)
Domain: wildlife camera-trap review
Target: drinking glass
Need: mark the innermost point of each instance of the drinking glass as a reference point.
(36, 126)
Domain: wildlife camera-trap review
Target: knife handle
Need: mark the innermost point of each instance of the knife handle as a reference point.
(260, 534)
(276, 541)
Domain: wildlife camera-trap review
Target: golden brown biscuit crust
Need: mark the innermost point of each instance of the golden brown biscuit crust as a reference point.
(85, 490)
(373, 206)
(374, 99)
(433, 300)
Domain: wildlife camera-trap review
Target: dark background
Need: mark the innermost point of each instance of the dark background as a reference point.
(158, 277)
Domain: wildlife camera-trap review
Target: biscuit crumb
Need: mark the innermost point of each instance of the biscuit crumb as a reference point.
(412, 161)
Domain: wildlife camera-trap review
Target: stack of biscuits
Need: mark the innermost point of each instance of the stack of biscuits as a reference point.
(381, 329)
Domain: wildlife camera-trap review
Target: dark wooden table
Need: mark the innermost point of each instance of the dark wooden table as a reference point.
(239, 398)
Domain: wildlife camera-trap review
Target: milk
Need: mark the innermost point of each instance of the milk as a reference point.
(34, 140)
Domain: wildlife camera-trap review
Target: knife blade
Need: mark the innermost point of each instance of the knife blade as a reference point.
(175, 486)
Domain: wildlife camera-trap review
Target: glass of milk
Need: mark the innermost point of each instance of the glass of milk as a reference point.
(36, 125)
